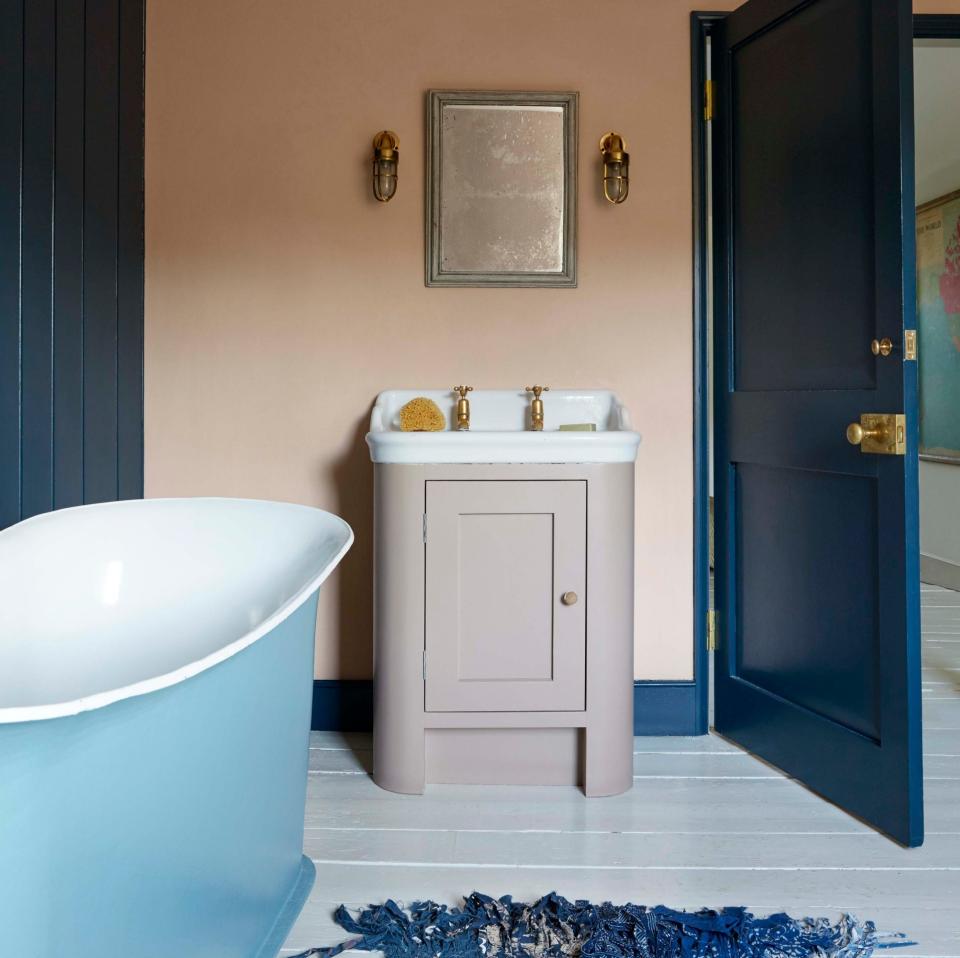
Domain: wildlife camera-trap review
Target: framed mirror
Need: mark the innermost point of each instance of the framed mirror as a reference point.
(502, 188)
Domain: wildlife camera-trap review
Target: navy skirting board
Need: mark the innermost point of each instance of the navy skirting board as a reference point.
(659, 708)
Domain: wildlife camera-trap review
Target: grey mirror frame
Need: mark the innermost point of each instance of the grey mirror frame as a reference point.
(435, 276)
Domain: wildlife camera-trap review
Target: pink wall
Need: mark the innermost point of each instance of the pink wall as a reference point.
(280, 297)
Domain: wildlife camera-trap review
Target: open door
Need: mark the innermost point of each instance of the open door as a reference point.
(817, 591)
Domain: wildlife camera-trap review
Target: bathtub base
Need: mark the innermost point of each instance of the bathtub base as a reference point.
(290, 911)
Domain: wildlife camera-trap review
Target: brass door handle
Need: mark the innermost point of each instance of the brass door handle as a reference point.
(880, 433)
(856, 433)
(882, 347)
(569, 598)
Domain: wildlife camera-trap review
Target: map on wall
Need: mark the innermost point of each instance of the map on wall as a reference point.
(938, 327)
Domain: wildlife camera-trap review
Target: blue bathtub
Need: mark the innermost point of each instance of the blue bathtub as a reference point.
(156, 668)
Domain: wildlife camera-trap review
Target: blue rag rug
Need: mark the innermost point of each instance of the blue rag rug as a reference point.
(553, 927)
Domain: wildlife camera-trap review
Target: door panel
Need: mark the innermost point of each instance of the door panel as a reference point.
(771, 219)
(826, 665)
(499, 555)
(505, 628)
(817, 580)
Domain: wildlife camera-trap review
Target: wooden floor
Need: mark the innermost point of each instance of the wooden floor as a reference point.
(705, 824)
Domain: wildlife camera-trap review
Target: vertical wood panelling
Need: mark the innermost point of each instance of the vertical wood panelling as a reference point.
(130, 256)
(100, 253)
(36, 238)
(68, 256)
(71, 254)
(11, 119)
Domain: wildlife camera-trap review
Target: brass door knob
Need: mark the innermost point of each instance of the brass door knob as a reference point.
(569, 598)
(856, 433)
(882, 347)
(879, 433)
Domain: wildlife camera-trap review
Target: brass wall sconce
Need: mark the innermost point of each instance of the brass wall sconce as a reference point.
(616, 167)
(386, 159)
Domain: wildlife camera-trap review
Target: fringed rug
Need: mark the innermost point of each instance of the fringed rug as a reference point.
(553, 927)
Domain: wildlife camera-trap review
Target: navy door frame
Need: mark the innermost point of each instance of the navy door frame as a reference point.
(925, 26)
(701, 25)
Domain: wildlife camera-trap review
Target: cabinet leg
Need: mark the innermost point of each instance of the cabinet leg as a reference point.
(608, 762)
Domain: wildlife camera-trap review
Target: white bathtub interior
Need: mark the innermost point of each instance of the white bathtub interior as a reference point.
(102, 602)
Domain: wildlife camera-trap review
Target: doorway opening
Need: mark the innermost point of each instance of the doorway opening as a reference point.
(936, 55)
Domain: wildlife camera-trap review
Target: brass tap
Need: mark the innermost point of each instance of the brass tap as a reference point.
(536, 407)
(463, 407)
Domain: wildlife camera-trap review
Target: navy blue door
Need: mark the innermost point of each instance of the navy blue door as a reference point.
(817, 556)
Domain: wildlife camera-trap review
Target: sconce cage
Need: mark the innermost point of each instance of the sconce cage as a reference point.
(386, 160)
(616, 167)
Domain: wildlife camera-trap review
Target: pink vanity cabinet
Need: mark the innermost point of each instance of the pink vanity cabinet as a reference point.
(503, 624)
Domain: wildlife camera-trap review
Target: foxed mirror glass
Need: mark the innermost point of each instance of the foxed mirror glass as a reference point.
(501, 196)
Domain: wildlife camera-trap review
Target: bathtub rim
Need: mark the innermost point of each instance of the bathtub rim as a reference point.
(88, 703)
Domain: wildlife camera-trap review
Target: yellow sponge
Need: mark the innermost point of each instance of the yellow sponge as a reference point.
(422, 415)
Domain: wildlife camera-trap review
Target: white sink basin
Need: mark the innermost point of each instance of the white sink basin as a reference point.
(500, 428)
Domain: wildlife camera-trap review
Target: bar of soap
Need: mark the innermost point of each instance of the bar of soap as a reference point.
(578, 427)
(422, 415)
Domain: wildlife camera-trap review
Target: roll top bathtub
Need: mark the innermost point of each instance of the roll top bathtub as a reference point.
(156, 670)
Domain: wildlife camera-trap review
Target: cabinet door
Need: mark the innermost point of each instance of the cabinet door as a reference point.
(499, 558)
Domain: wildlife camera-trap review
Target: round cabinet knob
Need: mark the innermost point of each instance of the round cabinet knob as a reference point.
(569, 598)
(882, 347)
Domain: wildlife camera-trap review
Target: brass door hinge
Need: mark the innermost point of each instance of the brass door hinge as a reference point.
(711, 631)
(910, 344)
(709, 90)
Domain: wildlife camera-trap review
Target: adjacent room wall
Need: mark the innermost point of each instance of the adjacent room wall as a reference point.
(280, 297)
(937, 79)
(940, 524)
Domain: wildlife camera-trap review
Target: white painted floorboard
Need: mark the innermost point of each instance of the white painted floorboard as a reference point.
(705, 824)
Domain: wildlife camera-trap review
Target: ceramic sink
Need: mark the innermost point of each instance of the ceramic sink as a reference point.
(500, 428)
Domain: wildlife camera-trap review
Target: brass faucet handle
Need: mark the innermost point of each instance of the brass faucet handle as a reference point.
(462, 390)
(536, 390)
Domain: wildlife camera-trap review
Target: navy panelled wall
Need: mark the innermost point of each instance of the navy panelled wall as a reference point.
(71, 253)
